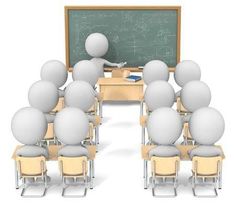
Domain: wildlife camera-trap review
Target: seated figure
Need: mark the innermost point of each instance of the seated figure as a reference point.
(55, 72)
(29, 126)
(71, 126)
(206, 126)
(164, 127)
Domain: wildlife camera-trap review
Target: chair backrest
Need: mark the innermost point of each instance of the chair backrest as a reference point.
(186, 130)
(60, 105)
(90, 132)
(120, 73)
(73, 165)
(165, 165)
(180, 107)
(50, 132)
(206, 165)
(30, 166)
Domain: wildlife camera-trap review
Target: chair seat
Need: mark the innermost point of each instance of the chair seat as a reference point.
(73, 175)
(165, 175)
(33, 175)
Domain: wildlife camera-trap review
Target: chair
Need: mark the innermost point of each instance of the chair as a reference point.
(94, 109)
(143, 121)
(73, 167)
(206, 168)
(50, 136)
(60, 105)
(180, 108)
(32, 167)
(120, 73)
(164, 167)
(93, 131)
(186, 134)
(90, 135)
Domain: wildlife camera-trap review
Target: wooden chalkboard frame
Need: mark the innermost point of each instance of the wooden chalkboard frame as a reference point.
(135, 69)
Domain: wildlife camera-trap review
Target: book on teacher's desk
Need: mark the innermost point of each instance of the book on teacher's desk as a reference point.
(133, 78)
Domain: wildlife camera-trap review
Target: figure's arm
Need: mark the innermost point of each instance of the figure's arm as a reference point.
(119, 65)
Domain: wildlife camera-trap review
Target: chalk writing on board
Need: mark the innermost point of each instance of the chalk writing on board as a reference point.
(135, 36)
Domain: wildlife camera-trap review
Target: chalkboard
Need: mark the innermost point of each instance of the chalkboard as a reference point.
(135, 34)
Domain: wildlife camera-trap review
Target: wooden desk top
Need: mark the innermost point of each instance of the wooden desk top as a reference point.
(118, 82)
(53, 152)
(184, 149)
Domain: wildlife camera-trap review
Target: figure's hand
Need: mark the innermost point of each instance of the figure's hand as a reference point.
(122, 64)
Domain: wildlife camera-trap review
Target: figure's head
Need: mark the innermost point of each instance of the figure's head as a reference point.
(186, 71)
(155, 70)
(71, 126)
(85, 70)
(96, 45)
(195, 95)
(206, 126)
(164, 126)
(29, 126)
(43, 95)
(159, 94)
(54, 71)
(79, 94)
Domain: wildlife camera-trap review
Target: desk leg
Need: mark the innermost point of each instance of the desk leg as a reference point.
(100, 109)
(93, 169)
(145, 174)
(220, 180)
(16, 177)
(143, 135)
(141, 108)
(97, 134)
(90, 175)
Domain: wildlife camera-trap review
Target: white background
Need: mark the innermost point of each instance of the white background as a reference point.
(32, 31)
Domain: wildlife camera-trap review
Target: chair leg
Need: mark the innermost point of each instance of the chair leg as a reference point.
(204, 196)
(74, 195)
(34, 196)
(164, 180)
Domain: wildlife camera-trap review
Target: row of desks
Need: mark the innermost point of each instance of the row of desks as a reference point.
(53, 151)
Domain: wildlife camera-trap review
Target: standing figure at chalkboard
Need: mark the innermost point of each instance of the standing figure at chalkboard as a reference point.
(96, 46)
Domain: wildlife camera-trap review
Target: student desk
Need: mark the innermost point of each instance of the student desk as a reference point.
(118, 89)
(53, 156)
(184, 156)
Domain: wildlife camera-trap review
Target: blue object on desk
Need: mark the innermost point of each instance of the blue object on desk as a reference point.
(133, 78)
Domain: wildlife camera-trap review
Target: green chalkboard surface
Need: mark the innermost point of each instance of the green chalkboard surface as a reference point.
(136, 35)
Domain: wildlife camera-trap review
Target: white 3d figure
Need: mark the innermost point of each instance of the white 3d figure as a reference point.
(206, 127)
(155, 70)
(55, 72)
(80, 94)
(195, 95)
(71, 126)
(96, 46)
(164, 126)
(43, 95)
(29, 127)
(85, 70)
(159, 94)
(186, 71)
